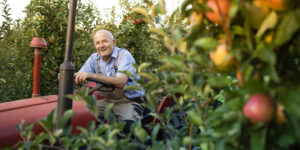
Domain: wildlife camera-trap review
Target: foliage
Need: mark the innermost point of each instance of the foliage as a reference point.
(266, 54)
(265, 59)
(41, 21)
(10, 57)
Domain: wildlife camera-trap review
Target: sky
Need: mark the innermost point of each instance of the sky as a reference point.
(18, 6)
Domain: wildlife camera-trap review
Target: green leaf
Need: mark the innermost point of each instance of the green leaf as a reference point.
(20, 126)
(235, 104)
(48, 123)
(2, 80)
(107, 110)
(258, 139)
(29, 127)
(269, 72)
(28, 145)
(149, 3)
(238, 30)
(149, 76)
(234, 8)
(141, 11)
(220, 81)
(66, 117)
(127, 73)
(252, 87)
(58, 132)
(156, 115)
(140, 133)
(172, 17)
(286, 29)
(132, 87)
(149, 21)
(113, 133)
(175, 89)
(155, 132)
(255, 14)
(161, 7)
(83, 131)
(188, 140)
(155, 37)
(291, 101)
(195, 117)
(286, 140)
(153, 11)
(102, 128)
(143, 66)
(268, 23)
(267, 54)
(158, 31)
(168, 113)
(207, 43)
(174, 61)
(98, 139)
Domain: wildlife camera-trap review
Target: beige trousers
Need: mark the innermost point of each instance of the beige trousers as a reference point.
(123, 108)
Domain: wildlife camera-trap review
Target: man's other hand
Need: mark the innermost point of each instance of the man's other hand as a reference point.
(82, 76)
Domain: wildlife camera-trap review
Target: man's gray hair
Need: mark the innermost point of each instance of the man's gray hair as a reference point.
(107, 32)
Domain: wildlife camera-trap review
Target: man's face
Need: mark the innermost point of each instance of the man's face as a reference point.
(104, 45)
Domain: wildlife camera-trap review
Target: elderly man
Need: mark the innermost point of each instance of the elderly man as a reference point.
(105, 65)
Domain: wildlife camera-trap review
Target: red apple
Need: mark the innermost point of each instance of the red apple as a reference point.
(278, 5)
(259, 108)
(51, 72)
(51, 39)
(215, 15)
(137, 21)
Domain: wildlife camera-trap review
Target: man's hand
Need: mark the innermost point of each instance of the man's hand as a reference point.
(82, 76)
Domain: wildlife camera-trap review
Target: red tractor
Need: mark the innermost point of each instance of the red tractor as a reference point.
(34, 109)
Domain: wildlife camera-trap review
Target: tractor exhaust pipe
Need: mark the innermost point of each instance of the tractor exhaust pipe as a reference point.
(67, 68)
(37, 44)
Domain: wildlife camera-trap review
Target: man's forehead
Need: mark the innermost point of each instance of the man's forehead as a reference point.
(102, 35)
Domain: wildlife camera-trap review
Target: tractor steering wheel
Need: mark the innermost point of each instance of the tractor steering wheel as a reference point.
(100, 86)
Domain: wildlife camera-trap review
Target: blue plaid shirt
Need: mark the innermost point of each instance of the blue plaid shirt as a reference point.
(108, 69)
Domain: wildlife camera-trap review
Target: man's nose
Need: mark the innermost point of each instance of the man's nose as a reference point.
(102, 45)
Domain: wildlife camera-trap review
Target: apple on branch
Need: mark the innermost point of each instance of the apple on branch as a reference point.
(259, 108)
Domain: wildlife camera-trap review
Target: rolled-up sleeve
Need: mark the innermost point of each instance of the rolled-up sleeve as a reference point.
(125, 63)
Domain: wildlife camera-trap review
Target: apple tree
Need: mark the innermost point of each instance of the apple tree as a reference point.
(244, 53)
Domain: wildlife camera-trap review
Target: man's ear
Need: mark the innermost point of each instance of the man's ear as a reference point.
(115, 41)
